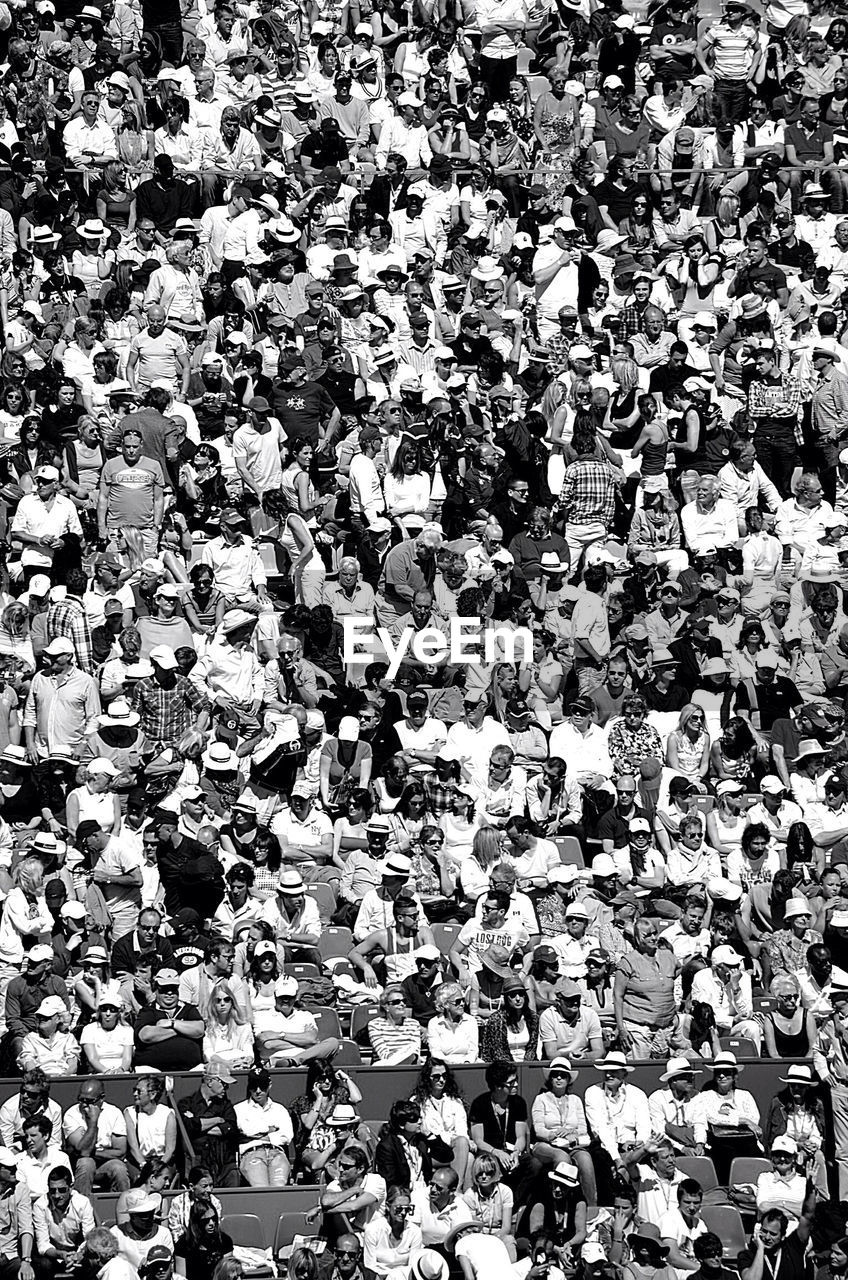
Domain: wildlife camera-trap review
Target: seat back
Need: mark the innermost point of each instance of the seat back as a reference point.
(328, 1023)
(747, 1169)
(742, 1048)
(335, 940)
(290, 1225)
(359, 1019)
(245, 1229)
(302, 970)
(727, 1224)
(326, 899)
(570, 851)
(348, 1054)
(445, 935)
(701, 1168)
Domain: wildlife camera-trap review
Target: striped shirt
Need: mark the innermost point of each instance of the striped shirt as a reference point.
(390, 1040)
(733, 50)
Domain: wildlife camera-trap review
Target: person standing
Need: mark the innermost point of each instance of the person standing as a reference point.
(829, 416)
(587, 498)
(132, 493)
(774, 402)
(258, 451)
(62, 705)
(158, 352)
(729, 52)
(44, 522)
(501, 24)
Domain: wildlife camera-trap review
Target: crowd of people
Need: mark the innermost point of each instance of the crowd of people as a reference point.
(373, 320)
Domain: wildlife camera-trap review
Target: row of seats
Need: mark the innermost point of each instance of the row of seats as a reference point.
(286, 1214)
(381, 1086)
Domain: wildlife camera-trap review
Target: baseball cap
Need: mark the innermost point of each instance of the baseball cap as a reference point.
(163, 656)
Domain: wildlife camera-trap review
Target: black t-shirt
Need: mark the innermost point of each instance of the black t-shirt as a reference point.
(669, 35)
(200, 1263)
(178, 1053)
(611, 826)
(324, 148)
(666, 376)
(301, 409)
(498, 1131)
(774, 700)
(786, 1263)
(619, 203)
(786, 734)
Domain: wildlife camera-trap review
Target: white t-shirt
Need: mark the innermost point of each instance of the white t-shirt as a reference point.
(559, 291)
(261, 452)
(108, 1045)
(511, 934)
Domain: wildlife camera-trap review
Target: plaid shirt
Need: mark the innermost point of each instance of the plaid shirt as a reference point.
(166, 714)
(439, 794)
(631, 320)
(558, 348)
(588, 492)
(68, 618)
(778, 397)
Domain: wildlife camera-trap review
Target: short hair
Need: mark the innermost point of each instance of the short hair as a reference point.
(41, 1123)
(775, 1218)
(499, 1071)
(689, 1187)
(101, 1244)
(498, 896)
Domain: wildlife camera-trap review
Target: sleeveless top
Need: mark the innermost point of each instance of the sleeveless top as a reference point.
(288, 485)
(99, 809)
(400, 956)
(292, 549)
(788, 1044)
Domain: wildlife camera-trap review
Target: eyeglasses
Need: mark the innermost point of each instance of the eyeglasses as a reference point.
(405, 1212)
(395, 1002)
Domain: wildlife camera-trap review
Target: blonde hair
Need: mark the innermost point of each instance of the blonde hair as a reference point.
(625, 372)
(236, 1017)
(29, 875)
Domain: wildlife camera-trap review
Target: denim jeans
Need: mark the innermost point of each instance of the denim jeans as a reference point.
(265, 1167)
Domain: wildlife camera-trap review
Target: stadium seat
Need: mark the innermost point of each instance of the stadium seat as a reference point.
(349, 1054)
(727, 1224)
(246, 1232)
(336, 940)
(570, 852)
(328, 1023)
(359, 1019)
(742, 1048)
(326, 899)
(536, 86)
(303, 970)
(291, 1225)
(245, 1229)
(701, 1168)
(445, 935)
(746, 1169)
